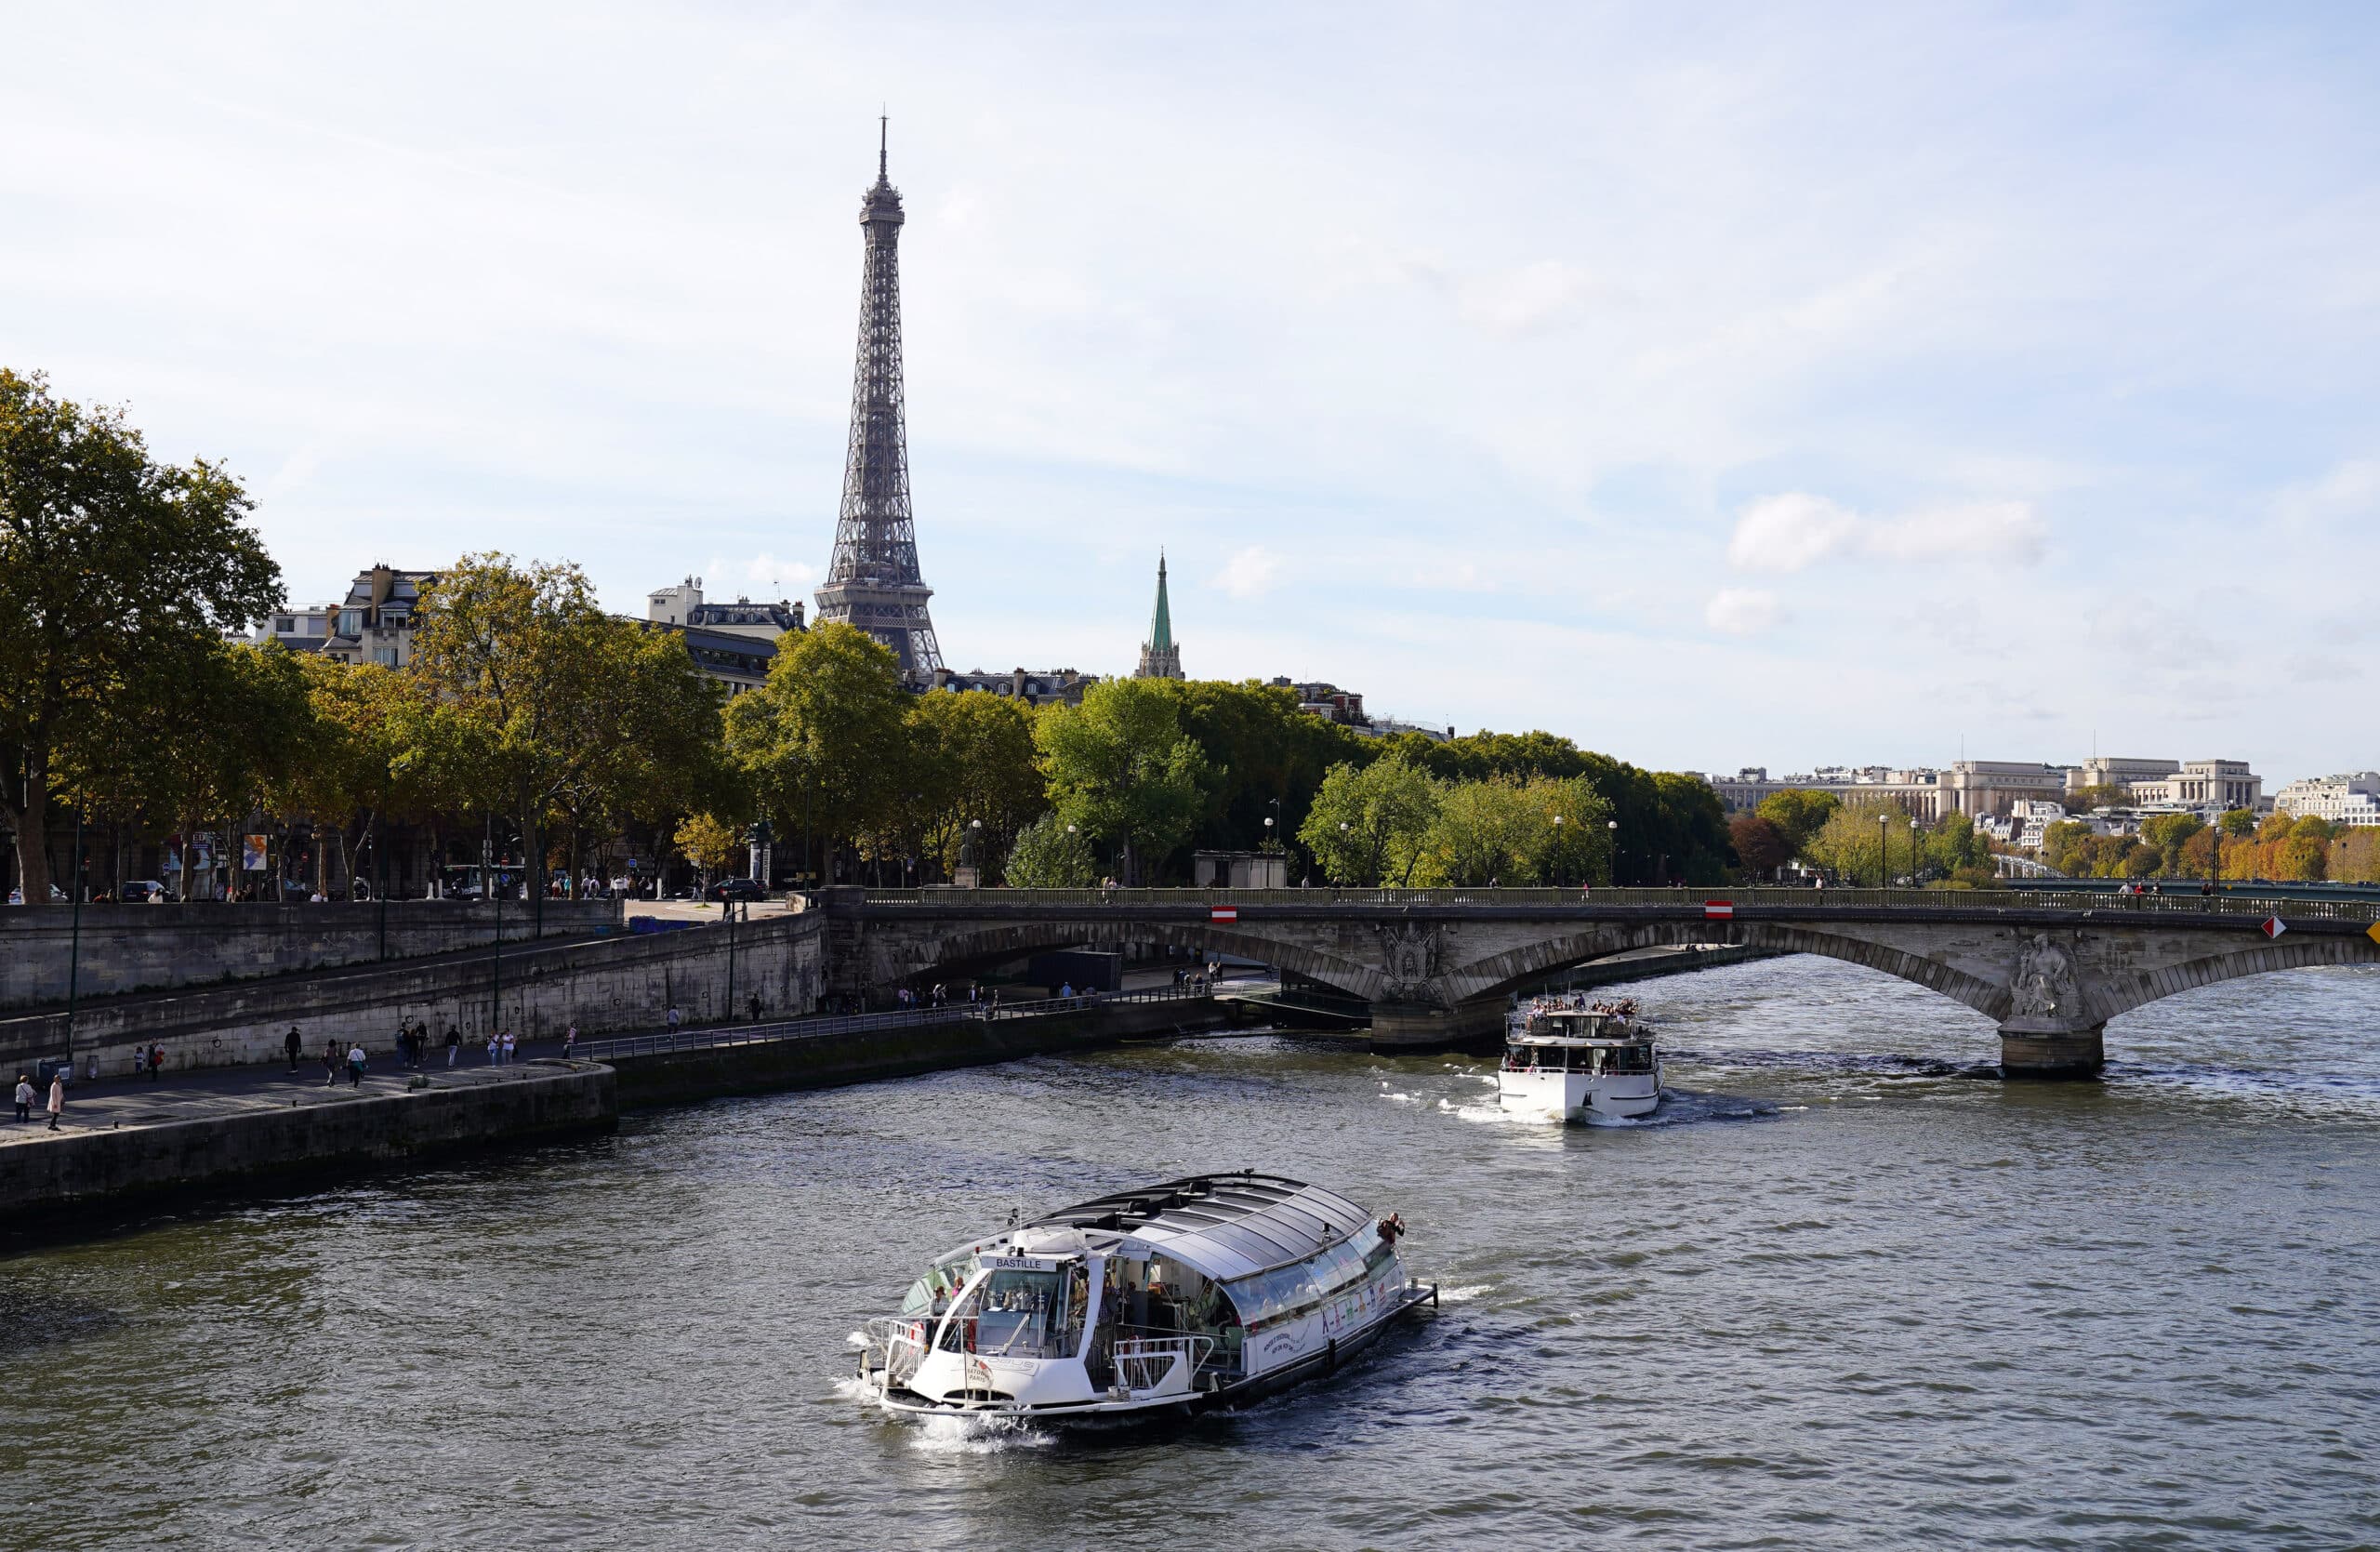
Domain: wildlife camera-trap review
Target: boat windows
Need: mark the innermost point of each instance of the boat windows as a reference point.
(1270, 1295)
(1018, 1314)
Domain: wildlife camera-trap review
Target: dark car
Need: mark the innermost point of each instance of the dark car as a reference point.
(736, 889)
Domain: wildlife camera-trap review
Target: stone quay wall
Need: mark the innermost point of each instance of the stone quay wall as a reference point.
(867, 1055)
(138, 947)
(537, 1102)
(606, 986)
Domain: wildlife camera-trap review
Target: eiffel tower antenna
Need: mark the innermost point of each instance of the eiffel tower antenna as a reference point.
(873, 581)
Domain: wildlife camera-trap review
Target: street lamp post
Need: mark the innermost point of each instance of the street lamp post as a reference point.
(75, 942)
(1613, 827)
(1557, 843)
(1912, 851)
(1884, 839)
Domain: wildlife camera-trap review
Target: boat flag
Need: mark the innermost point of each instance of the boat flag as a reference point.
(2373, 932)
(2274, 927)
(1718, 910)
(1223, 913)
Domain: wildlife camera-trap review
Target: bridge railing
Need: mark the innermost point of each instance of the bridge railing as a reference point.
(848, 1024)
(2232, 902)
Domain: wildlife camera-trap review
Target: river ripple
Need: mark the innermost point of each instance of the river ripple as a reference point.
(1843, 1293)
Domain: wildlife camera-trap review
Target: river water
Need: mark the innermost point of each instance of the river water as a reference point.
(1843, 1293)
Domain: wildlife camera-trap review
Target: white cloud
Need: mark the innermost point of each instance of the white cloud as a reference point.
(1787, 532)
(2349, 491)
(1790, 531)
(1250, 573)
(1742, 610)
(1535, 296)
(2007, 533)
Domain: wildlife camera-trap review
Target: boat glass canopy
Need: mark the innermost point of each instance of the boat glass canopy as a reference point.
(1228, 1227)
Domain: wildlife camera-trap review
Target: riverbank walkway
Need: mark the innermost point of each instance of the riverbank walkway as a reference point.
(118, 1103)
(114, 1103)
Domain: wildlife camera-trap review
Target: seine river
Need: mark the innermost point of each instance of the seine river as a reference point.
(1843, 1293)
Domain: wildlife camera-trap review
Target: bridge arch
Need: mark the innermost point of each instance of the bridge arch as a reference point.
(2123, 993)
(911, 960)
(1503, 974)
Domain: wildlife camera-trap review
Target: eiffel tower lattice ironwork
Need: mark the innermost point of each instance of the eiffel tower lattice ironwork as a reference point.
(873, 580)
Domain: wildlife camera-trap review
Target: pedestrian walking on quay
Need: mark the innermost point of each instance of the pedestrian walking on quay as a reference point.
(569, 1042)
(156, 1060)
(454, 1044)
(508, 1048)
(494, 1049)
(24, 1097)
(56, 1099)
(295, 1047)
(356, 1066)
(330, 1064)
(673, 1019)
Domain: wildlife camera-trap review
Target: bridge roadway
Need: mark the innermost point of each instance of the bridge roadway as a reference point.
(1436, 966)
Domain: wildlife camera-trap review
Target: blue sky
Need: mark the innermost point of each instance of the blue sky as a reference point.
(1715, 386)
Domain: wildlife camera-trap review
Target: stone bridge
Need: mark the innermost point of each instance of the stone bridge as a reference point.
(1437, 964)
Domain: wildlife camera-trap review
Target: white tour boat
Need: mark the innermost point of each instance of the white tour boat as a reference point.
(1567, 1058)
(1186, 1295)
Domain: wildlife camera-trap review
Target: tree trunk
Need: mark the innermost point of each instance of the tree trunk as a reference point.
(31, 818)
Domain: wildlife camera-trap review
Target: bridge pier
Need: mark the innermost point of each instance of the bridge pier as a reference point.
(2036, 1052)
(1400, 1027)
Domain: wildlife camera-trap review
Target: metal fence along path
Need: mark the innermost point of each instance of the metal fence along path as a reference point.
(2233, 901)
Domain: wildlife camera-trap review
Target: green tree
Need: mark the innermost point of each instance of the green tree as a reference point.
(1260, 747)
(2062, 844)
(1799, 815)
(1050, 854)
(1576, 843)
(817, 740)
(974, 780)
(1854, 848)
(1366, 825)
(712, 843)
(580, 714)
(2082, 799)
(2169, 833)
(107, 558)
(1490, 832)
(1120, 768)
(1954, 848)
(2238, 824)
(240, 714)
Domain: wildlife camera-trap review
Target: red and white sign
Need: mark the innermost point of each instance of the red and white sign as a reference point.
(1223, 913)
(2274, 927)
(1718, 910)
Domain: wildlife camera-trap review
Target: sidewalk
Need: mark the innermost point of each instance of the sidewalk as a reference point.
(122, 1102)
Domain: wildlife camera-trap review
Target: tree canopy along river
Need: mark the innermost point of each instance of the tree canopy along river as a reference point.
(1841, 1292)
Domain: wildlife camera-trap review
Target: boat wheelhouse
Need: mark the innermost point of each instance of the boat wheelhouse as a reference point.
(1567, 1058)
(1189, 1294)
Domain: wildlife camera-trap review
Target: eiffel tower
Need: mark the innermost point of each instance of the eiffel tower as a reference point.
(873, 581)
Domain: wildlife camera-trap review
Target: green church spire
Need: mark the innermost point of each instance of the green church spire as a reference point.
(1159, 658)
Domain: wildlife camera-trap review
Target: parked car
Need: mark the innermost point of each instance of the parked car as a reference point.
(141, 892)
(737, 889)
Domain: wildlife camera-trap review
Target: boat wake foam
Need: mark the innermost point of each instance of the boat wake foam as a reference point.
(978, 1436)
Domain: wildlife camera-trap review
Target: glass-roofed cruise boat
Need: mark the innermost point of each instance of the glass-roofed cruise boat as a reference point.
(1173, 1297)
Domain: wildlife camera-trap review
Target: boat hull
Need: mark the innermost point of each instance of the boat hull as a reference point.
(1106, 1412)
(1579, 1097)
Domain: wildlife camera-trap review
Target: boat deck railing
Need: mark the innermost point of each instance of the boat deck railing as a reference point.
(824, 1026)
